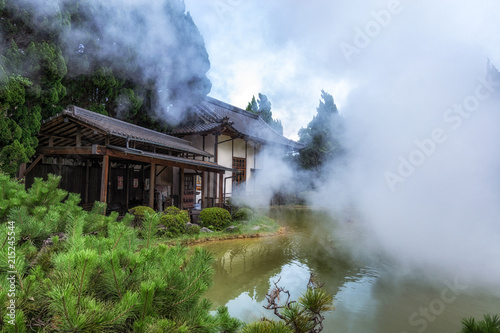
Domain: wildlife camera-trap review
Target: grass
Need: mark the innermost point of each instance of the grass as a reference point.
(258, 226)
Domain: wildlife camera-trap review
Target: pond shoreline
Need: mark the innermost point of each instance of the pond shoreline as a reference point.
(196, 241)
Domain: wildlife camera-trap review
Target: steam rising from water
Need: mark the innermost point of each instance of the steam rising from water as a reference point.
(422, 176)
(422, 127)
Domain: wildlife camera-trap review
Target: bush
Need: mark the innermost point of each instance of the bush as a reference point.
(139, 213)
(216, 217)
(193, 229)
(175, 221)
(244, 213)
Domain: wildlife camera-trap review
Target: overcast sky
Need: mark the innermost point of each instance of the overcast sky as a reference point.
(289, 50)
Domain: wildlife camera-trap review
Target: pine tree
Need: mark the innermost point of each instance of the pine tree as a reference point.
(79, 271)
(322, 136)
(262, 107)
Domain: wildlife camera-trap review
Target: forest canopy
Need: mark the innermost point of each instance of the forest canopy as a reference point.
(88, 53)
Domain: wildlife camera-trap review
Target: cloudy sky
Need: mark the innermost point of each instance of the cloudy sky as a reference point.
(290, 49)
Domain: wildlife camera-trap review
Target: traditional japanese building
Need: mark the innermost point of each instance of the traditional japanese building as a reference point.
(199, 164)
(235, 137)
(109, 160)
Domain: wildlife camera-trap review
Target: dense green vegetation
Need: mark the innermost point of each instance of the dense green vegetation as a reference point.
(302, 316)
(78, 271)
(89, 54)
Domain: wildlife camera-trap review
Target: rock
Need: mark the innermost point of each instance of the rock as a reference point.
(232, 229)
(256, 228)
(204, 229)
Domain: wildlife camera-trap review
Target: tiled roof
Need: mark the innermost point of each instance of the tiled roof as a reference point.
(116, 127)
(212, 113)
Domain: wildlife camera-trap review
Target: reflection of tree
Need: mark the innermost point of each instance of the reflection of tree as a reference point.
(248, 266)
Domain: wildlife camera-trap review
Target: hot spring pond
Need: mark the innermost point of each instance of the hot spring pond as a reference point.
(367, 296)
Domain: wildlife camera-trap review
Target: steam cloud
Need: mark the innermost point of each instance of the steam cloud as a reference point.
(421, 119)
(157, 41)
(423, 170)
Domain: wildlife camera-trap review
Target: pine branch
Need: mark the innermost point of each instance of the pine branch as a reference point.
(121, 315)
(145, 306)
(187, 298)
(196, 280)
(114, 276)
(66, 311)
(81, 282)
(119, 237)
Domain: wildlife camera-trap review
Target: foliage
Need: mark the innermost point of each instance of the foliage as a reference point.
(262, 107)
(193, 229)
(215, 217)
(139, 213)
(175, 221)
(266, 326)
(243, 213)
(489, 324)
(304, 316)
(105, 280)
(86, 53)
(322, 136)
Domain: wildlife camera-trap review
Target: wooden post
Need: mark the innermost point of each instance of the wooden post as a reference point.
(216, 160)
(181, 188)
(203, 189)
(127, 186)
(104, 179)
(221, 191)
(87, 180)
(152, 176)
(22, 171)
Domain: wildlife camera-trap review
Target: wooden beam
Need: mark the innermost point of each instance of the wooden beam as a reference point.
(152, 177)
(35, 162)
(104, 178)
(158, 161)
(65, 150)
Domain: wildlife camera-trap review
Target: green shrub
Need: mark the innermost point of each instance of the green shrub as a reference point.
(216, 217)
(242, 214)
(172, 210)
(193, 229)
(139, 213)
(175, 221)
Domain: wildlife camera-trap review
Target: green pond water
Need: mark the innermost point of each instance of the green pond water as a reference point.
(367, 295)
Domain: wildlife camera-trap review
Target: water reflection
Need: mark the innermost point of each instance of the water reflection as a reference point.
(367, 296)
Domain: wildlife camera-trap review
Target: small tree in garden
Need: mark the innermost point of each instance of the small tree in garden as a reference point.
(304, 316)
